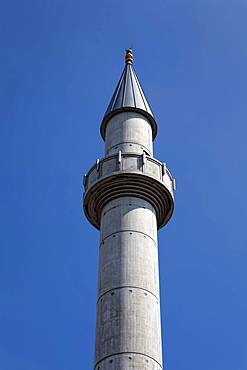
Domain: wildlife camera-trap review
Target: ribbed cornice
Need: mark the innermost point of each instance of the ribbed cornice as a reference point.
(128, 96)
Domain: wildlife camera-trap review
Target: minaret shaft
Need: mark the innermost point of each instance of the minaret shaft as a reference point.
(128, 309)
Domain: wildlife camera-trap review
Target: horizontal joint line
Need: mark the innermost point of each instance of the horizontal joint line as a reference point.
(127, 231)
(124, 287)
(122, 353)
(128, 142)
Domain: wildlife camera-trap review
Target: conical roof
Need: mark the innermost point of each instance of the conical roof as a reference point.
(129, 97)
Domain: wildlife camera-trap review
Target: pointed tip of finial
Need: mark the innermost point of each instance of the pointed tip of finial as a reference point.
(129, 56)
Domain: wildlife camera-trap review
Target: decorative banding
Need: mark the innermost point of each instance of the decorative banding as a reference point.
(128, 184)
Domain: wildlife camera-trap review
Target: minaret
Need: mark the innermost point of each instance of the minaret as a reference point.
(128, 196)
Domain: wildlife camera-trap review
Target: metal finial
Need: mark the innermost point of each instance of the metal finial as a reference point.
(129, 56)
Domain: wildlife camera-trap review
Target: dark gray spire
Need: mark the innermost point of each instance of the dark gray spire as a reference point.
(128, 96)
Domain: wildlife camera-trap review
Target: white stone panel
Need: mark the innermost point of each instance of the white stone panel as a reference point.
(128, 321)
(128, 213)
(128, 259)
(128, 132)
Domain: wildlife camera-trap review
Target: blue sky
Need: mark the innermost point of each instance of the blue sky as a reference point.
(60, 63)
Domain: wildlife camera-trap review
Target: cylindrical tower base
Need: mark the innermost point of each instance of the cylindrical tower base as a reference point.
(128, 309)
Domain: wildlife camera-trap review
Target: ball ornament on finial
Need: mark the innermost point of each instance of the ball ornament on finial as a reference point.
(129, 56)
